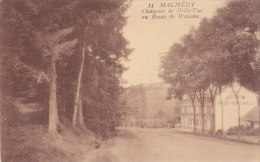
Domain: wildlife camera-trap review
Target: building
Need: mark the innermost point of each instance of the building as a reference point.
(146, 105)
(187, 114)
(247, 101)
(251, 119)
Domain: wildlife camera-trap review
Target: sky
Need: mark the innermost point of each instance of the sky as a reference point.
(152, 38)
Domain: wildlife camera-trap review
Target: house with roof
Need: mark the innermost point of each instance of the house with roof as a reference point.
(187, 114)
(251, 119)
(226, 116)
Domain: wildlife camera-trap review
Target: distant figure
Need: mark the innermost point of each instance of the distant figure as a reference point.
(96, 144)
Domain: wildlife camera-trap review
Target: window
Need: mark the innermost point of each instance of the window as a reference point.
(190, 122)
(184, 121)
(198, 122)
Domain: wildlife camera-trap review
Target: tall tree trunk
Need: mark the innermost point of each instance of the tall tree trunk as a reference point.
(80, 113)
(258, 99)
(201, 99)
(222, 109)
(203, 119)
(238, 107)
(76, 102)
(194, 116)
(213, 113)
(258, 104)
(213, 117)
(238, 110)
(213, 90)
(53, 111)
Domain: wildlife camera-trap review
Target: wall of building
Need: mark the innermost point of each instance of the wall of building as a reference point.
(144, 102)
(187, 114)
(247, 100)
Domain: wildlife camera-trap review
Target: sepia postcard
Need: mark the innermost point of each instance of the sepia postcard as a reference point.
(130, 80)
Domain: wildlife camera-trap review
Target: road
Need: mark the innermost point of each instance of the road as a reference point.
(167, 145)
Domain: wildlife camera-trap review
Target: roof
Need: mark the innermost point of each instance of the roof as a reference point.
(252, 115)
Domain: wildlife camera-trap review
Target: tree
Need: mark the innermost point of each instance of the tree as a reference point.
(46, 42)
(39, 38)
(51, 47)
(214, 61)
(133, 101)
(221, 50)
(237, 39)
(105, 48)
(176, 69)
(228, 47)
(77, 114)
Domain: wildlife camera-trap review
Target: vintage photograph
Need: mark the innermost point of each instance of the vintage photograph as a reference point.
(130, 80)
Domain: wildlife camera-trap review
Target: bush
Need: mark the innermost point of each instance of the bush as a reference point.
(219, 132)
(245, 131)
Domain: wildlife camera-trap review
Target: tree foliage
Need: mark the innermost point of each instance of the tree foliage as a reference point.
(221, 50)
(36, 33)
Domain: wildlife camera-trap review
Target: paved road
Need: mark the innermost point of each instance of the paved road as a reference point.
(167, 145)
